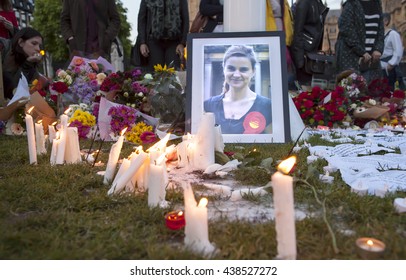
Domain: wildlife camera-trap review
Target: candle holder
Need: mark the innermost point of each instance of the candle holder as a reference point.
(175, 220)
(370, 248)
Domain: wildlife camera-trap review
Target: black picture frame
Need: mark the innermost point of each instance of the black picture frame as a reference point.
(205, 53)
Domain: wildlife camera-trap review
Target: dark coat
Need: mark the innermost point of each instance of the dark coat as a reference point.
(73, 22)
(308, 29)
(350, 45)
(214, 10)
(145, 22)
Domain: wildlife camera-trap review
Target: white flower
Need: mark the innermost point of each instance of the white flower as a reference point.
(125, 94)
(17, 129)
(83, 106)
(100, 78)
(372, 102)
(140, 94)
(148, 76)
(353, 106)
(61, 74)
(68, 80)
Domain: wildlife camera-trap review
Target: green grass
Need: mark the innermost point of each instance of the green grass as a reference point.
(63, 212)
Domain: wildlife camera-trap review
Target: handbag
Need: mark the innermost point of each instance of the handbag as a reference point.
(199, 23)
(318, 63)
(370, 65)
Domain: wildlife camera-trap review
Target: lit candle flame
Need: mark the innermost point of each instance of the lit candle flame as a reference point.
(42, 52)
(54, 123)
(286, 165)
(203, 202)
(180, 213)
(30, 110)
(67, 111)
(370, 243)
(39, 122)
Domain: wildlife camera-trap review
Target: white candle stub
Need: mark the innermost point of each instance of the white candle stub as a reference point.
(360, 189)
(382, 191)
(326, 178)
(311, 159)
(329, 168)
(370, 248)
(400, 204)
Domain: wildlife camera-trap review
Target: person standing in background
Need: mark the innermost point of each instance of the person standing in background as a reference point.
(8, 20)
(163, 26)
(360, 38)
(89, 27)
(392, 54)
(214, 10)
(307, 34)
(279, 18)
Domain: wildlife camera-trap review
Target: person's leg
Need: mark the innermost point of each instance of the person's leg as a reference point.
(156, 54)
(170, 54)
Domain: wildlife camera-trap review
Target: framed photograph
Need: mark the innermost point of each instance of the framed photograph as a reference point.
(241, 78)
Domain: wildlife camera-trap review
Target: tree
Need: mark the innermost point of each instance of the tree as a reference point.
(47, 21)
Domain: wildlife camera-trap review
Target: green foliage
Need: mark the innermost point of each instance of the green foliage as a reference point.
(47, 22)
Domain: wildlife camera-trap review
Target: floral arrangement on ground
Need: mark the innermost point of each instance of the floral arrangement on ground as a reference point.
(353, 102)
(138, 101)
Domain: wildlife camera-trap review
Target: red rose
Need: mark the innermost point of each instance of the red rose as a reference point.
(399, 94)
(60, 87)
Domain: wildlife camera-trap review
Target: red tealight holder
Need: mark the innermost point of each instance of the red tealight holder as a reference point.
(175, 220)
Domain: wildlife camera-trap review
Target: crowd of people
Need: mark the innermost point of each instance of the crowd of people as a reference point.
(366, 43)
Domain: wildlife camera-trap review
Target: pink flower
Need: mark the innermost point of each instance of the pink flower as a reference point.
(17, 129)
(148, 137)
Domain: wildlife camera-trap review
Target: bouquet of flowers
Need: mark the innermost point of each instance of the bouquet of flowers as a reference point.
(81, 116)
(126, 88)
(166, 93)
(79, 83)
(320, 107)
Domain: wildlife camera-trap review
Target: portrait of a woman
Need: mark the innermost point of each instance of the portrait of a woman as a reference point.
(238, 109)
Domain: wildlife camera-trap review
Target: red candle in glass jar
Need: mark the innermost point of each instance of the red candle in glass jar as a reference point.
(175, 220)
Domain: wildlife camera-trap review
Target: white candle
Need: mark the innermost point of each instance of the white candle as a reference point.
(311, 159)
(40, 138)
(204, 143)
(60, 156)
(400, 204)
(113, 158)
(284, 210)
(156, 181)
(182, 150)
(137, 159)
(122, 169)
(329, 168)
(51, 133)
(72, 148)
(54, 150)
(326, 178)
(196, 230)
(360, 188)
(219, 142)
(382, 191)
(29, 123)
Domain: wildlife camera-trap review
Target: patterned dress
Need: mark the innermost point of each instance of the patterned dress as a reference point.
(351, 43)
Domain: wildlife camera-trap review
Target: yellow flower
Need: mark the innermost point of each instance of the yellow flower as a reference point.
(134, 134)
(159, 68)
